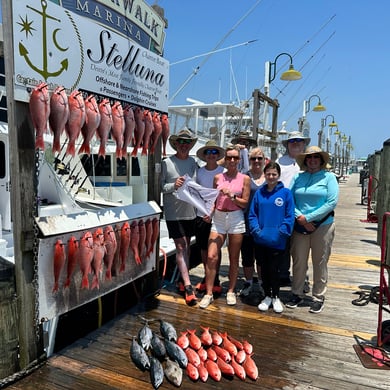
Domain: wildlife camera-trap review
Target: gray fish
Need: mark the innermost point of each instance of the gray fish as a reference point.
(139, 356)
(156, 372)
(145, 335)
(173, 372)
(168, 331)
(158, 346)
(176, 353)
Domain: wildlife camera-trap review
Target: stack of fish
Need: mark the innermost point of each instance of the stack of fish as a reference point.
(212, 354)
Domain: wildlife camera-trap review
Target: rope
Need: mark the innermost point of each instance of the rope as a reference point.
(365, 297)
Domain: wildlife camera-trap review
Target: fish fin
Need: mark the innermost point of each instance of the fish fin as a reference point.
(108, 274)
(85, 282)
(67, 283)
(39, 144)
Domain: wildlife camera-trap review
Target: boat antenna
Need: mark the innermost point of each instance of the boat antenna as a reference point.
(196, 70)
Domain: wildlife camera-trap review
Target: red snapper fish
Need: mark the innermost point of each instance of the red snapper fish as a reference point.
(92, 121)
(59, 262)
(105, 124)
(213, 370)
(183, 341)
(155, 234)
(125, 242)
(148, 132)
(192, 372)
(195, 342)
(39, 106)
(111, 246)
(250, 367)
(203, 373)
(239, 370)
(156, 132)
(165, 132)
(225, 368)
(118, 127)
(59, 113)
(129, 129)
(205, 336)
(86, 252)
(76, 120)
(192, 356)
(116, 264)
(99, 251)
(148, 238)
(73, 259)
(139, 129)
(134, 241)
(228, 345)
(142, 238)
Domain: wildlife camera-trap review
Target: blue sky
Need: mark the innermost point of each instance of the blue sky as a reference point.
(341, 47)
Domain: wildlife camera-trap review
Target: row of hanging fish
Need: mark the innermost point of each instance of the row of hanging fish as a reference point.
(212, 354)
(107, 248)
(86, 118)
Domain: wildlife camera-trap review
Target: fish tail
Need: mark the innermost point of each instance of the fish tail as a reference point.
(67, 282)
(102, 150)
(56, 146)
(39, 144)
(144, 151)
(95, 282)
(134, 152)
(55, 287)
(108, 274)
(84, 282)
(84, 148)
(138, 260)
(119, 152)
(71, 149)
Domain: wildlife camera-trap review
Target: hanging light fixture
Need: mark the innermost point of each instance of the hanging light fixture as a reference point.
(289, 75)
(317, 108)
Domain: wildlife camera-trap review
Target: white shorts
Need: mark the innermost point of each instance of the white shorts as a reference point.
(231, 222)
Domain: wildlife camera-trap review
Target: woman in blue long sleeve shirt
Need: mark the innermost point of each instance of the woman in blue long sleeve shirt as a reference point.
(315, 192)
(271, 220)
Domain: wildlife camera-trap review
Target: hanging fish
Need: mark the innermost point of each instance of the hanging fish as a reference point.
(59, 262)
(124, 245)
(156, 135)
(105, 124)
(111, 246)
(73, 258)
(139, 356)
(142, 239)
(139, 129)
(39, 106)
(86, 252)
(148, 132)
(173, 372)
(116, 264)
(155, 234)
(165, 132)
(92, 121)
(99, 251)
(134, 241)
(59, 113)
(76, 120)
(129, 129)
(148, 236)
(156, 372)
(118, 127)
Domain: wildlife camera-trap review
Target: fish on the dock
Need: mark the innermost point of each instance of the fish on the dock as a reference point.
(118, 127)
(202, 354)
(85, 257)
(250, 367)
(176, 353)
(192, 356)
(139, 356)
(156, 372)
(239, 370)
(248, 347)
(205, 336)
(183, 341)
(165, 132)
(134, 241)
(73, 258)
(92, 121)
(105, 125)
(237, 343)
(145, 336)
(211, 354)
(222, 353)
(192, 372)
(59, 113)
(225, 368)
(76, 120)
(168, 331)
(195, 342)
(124, 245)
(111, 247)
(213, 370)
(99, 250)
(58, 262)
(158, 346)
(39, 106)
(203, 373)
(227, 344)
(216, 337)
(173, 372)
(240, 357)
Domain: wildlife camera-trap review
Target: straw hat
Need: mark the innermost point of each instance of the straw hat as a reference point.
(296, 135)
(210, 145)
(312, 150)
(182, 134)
(244, 138)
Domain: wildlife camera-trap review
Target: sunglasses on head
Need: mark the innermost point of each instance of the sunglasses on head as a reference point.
(256, 158)
(313, 156)
(235, 158)
(211, 151)
(294, 140)
(183, 141)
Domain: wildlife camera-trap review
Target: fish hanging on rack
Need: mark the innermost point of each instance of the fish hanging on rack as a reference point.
(99, 251)
(156, 132)
(139, 129)
(58, 262)
(85, 258)
(111, 246)
(124, 245)
(76, 120)
(59, 114)
(149, 127)
(73, 259)
(105, 125)
(129, 129)
(165, 132)
(134, 240)
(118, 127)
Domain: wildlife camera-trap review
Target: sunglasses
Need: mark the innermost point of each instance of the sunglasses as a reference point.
(256, 158)
(235, 158)
(295, 140)
(207, 152)
(313, 156)
(183, 141)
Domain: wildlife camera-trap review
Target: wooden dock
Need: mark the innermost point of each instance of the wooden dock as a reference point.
(294, 350)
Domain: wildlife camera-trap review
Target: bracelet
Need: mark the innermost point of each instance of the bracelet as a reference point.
(233, 197)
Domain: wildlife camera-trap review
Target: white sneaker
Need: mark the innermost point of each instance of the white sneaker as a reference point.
(206, 301)
(277, 305)
(265, 304)
(231, 298)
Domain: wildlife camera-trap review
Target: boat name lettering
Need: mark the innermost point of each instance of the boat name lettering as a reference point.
(128, 63)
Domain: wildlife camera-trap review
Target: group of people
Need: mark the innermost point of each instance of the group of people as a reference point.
(270, 213)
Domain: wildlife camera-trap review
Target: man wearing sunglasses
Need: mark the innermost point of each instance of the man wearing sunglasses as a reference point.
(295, 144)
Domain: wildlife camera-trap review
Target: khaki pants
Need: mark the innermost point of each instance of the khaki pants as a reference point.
(320, 243)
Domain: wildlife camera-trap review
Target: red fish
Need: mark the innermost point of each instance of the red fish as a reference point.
(156, 131)
(205, 337)
(111, 246)
(217, 339)
(203, 373)
(134, 241)
(148, 236)
(250, 367)
(59, 262)
(155, 234)
(192, 372)
(99, 251)
(239, 370)
(148, 132)
(183, 341)
(211, 354)
(248, 348)
(222, 353)
(142, 238)
(76, 120)
(213, 370)
(118, 127)
(202, 354)
(165, 132)
(228, 345)
(192, 356)
(225, 368)
(92, 121)
(116, 264)
(237, 343)
(73, 259)
(85, 257)
(195, 342)
(59, 113)
(129, 129)
(139, 129)
(125, 241)
(39, 106)
(241, 356)
(105, 124)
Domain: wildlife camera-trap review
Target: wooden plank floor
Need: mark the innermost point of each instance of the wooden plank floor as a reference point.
(294, 350)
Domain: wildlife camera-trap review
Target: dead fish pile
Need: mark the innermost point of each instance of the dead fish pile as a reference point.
(207, 354)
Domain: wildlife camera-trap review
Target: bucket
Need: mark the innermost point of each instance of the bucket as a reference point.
(3, 247)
